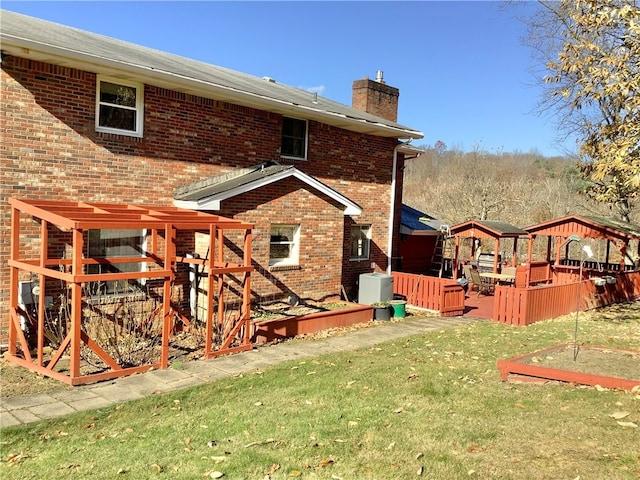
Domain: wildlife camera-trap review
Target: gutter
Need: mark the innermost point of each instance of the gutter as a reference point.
(19, 46)
(392, 203)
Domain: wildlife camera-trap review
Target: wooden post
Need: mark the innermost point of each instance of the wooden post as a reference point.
(169, 262)
(13, 281)
(210, 260)
(220, 286)
(496, 254)
(456, 257)
(77, 266)
(44, 242)
(246, 294)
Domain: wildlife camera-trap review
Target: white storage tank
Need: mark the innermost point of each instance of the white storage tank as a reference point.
(375, 287)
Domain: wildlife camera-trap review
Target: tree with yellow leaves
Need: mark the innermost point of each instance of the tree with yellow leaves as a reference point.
(592, 48)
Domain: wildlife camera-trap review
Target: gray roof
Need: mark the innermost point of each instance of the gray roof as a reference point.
(208, 193)
(497, 228)
(220, 184)
(563, 226)
(41, 40)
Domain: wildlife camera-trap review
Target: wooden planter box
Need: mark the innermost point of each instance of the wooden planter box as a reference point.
(521, 366)
(281, 328)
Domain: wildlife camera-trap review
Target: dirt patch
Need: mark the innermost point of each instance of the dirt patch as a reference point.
(596, 361)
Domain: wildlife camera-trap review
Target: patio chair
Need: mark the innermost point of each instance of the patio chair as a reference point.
(484, 285)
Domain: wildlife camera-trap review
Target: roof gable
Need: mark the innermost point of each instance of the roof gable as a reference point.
(486, 229)
(208, 194)
(586, 226)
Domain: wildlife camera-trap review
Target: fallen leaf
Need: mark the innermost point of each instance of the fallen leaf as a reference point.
(474, 448)
(391, 445)
(619, 415)
(157, 467)
(325, 462)
(264, 442)
(216, 474)
(420, 470)
(258, 404)
(295, 473)
(627, 424)
(398, 410)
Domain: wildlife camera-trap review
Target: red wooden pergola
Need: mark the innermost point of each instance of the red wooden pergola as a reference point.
(72, 221)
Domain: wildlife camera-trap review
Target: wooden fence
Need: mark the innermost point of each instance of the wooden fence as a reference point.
(513, 305)
(523, 306)
(440, 294)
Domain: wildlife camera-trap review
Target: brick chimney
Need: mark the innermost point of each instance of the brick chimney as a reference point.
(376, 97)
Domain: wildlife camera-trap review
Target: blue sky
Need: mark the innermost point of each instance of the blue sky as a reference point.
(463, 75)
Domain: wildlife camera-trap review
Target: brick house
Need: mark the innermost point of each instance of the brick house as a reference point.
(93, 119)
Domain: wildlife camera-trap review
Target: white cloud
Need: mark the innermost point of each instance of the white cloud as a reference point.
(319, 89)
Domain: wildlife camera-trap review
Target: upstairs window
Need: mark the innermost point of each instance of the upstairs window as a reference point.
(294, 138)
(360, 242)
(284, 246)
(119, 107)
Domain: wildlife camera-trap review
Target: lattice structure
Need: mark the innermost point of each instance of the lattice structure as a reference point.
(49, 254)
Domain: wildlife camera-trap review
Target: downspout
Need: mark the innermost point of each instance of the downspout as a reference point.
(392, 203)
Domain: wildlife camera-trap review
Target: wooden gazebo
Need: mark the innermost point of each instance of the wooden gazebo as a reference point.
(561, 234)
(48, 249)
(494, 231)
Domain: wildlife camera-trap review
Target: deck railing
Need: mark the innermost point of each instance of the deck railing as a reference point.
(523, 306)
(432, 293)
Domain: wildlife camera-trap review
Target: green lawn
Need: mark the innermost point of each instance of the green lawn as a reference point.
(429, 406)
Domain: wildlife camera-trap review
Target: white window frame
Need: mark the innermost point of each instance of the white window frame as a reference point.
(363, 246)
(118, 233)
(306, 139)
(294, 246)
(139, 108)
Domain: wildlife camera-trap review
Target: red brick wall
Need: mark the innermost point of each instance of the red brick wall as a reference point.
(50, 150)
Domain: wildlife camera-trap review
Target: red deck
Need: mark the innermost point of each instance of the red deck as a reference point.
(478, 307)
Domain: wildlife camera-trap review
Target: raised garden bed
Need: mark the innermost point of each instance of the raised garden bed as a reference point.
(606, 367)
(303, 320)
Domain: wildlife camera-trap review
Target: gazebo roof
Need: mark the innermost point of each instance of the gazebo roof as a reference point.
(586, 227)
(486, 229)
(85, 216)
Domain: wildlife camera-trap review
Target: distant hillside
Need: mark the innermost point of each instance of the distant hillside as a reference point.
(519, 188)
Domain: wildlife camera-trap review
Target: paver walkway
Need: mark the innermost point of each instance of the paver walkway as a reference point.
(22, 410)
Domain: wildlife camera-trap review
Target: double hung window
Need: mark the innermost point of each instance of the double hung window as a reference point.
(119, 107)
(284, 245)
